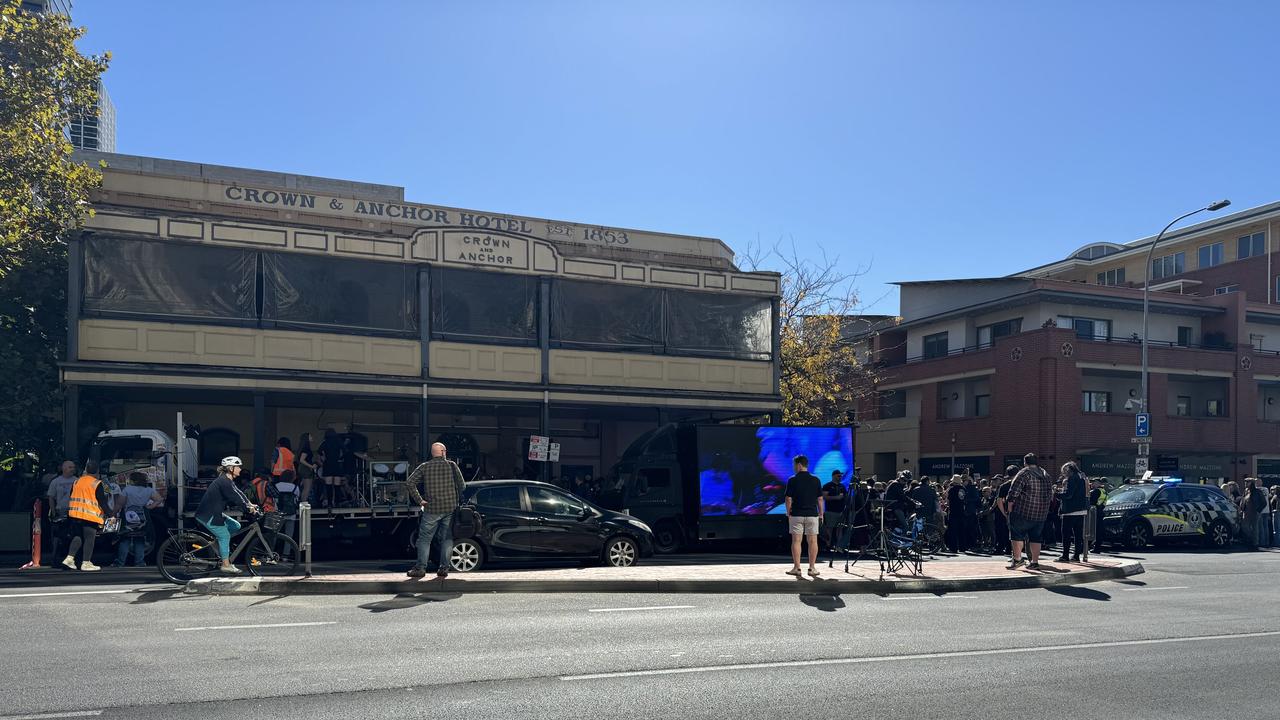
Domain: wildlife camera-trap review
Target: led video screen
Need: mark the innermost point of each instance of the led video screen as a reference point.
(743, 470)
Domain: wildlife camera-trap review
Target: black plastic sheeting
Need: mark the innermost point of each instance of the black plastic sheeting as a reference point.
(155, 278)
(712, 324)
(307, 290)
(474, 306)
(591, 315)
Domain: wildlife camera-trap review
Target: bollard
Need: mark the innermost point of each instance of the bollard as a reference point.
(1090, 529)
(37, 512)
(304, 536)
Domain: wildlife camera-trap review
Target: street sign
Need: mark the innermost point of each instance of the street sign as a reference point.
(539, 447)
(1144, 450)
(1140, 466)
(1142, 440)
(553, 452)
(1142, 425)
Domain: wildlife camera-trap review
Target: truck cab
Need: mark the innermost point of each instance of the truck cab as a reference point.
(649, 483)
(145, 450)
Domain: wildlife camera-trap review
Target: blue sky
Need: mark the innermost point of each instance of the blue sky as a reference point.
(913, 140)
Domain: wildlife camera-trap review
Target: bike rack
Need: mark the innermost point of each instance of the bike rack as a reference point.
(304, 535)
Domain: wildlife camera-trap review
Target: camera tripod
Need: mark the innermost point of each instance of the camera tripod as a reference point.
(894, 549)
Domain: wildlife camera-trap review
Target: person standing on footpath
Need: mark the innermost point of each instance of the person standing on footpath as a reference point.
(1004, 482)
(972, 506)
(59, 496)
(1028, 505)
(1254, 503)
(805, 505)
(435, 486)
(836, 497)
(1074, 507)
(87, 510)
(955, 515)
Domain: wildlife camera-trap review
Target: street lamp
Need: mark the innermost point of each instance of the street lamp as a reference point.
(1146, 288)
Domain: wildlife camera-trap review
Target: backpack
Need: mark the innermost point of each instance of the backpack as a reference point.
(134, 520)
(286, 503)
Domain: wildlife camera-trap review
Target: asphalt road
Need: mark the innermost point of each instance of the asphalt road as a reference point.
(1195, 637)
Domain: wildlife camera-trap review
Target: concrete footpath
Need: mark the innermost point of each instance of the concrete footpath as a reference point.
(939, 576)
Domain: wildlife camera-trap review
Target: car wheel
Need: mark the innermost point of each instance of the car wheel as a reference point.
(621, 551)
(667, 537)
(466, 556)
(1138, 535)
(1218, 535)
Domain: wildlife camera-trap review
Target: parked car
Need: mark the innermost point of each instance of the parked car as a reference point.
(1137, 516)
(522, 521)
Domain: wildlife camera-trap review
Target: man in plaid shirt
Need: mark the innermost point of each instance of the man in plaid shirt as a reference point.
(1028, 506)
(436, 486)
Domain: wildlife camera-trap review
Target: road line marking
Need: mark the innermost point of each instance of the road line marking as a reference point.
(641, 609)
(930, 597)
(1149, 589)
(919, 656)
(74, 713)
(148, 588)
(251, 627)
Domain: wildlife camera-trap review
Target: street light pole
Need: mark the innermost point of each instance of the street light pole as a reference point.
(1146, 288)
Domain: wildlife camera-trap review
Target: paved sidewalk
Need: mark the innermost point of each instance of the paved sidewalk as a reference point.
(938, 577)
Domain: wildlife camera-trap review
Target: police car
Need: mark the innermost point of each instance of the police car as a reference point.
(1136, 516)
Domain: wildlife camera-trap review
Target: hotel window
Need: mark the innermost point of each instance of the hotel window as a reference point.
(1226, 289)
(1184, 336)
(1251, 246)
(1087, 328)
(1096, 401)
(1183, 406)
(1214, 408)
(1168, 266)
(1256, 340)
(1209, 255)
(981, 405)
(935, 345)
(988, 334)
(1111, 277)
(893, 404)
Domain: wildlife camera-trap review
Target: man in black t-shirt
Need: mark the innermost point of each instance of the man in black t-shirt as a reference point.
(1002, 510)
(805, 506)
(837, 498)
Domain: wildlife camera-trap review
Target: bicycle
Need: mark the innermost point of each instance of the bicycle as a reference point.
(193, 554)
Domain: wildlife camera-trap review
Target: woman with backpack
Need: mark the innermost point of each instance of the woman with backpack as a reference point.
(287, 496)
(137, 500)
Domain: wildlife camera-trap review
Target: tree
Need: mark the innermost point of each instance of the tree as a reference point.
(821, 378)
(44, 193)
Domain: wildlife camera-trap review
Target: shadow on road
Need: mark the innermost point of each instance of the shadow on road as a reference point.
(1081, 592)
(408, 600)
(148, 597)
(825, 603)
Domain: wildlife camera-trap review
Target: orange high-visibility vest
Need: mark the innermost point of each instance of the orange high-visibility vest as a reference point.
(84, 500)
(267, 502)
(284, 461)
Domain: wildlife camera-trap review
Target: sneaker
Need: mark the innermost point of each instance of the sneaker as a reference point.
(1064, 558)
(70, 562)
(1014, 565)
(117, 564)
(442, 574)
(87, 566)
(813, 572)
(1075, 558)
(233, 570)
(1033, 566)
(794, 572)
(416, 572)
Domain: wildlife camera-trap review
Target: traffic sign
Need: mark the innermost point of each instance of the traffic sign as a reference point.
(1140, 465)
(539, 447)
(1142, 440)
(553, 454)
(1142, 424)
(1144, 450)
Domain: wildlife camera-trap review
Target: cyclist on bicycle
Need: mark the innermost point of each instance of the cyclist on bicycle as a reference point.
(211, 513)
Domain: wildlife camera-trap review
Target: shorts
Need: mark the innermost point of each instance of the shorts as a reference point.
(804, 525)
(1024, 529)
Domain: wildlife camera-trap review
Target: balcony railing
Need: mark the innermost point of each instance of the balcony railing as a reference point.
(1136, 339)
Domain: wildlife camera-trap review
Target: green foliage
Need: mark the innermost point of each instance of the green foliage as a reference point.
(44, 193)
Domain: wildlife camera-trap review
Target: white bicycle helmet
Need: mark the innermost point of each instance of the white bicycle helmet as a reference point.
(231, 461)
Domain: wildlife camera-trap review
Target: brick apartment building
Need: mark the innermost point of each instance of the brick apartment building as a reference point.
(1048, 361)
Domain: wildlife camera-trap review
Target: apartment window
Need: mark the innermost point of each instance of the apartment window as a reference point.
(1183, 407)
(1256, 340)
(1210, 255)
(1087, 328)
(1251, 246)
(1096, 401)
(1184, 336)
(1168, 266)
(1111, 277)
(981, 405)
(988, 334)
(1214, 408)
(1226, 289)
(935, 345)
(893, 404)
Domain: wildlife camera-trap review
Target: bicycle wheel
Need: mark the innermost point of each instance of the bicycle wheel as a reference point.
(279, 559)
(187, 557)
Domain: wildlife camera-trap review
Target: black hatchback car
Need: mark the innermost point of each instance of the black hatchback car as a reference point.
(523, 521)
